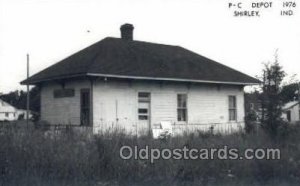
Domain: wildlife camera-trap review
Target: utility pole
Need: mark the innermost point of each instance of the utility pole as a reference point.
(27, 103)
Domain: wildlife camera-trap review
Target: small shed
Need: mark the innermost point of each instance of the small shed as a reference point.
(291, 111)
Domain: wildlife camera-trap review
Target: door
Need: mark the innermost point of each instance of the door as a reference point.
(85, 107)
(143, 126)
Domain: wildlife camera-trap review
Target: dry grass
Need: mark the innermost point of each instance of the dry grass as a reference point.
(29, 157)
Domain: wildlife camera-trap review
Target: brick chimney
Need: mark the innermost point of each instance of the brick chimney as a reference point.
(127, 32)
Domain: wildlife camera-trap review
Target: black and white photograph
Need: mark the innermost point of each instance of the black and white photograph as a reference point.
(149, 92)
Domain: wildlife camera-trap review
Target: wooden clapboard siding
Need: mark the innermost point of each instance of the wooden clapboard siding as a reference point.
(115, 104)
(210, 104)
(207, 104)
(164, 105)
(62, 110)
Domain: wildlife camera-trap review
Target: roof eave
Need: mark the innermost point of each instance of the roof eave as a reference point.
(171, 79)
(287, 108)
(34, 82)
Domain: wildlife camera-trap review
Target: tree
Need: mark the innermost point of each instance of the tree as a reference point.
(18, 99)
(273, 75)
(289, 92)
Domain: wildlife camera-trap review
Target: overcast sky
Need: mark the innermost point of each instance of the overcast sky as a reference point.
(50, 30)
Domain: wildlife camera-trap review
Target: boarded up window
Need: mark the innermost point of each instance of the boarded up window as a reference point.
(182, 107)
(62, 93)
(232, 108)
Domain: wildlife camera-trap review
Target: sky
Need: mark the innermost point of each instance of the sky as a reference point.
(51, 30)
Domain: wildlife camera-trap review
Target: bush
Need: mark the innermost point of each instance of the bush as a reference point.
(251, 122)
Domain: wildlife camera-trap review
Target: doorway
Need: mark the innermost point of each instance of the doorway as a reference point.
(85, 107)
(144, 110)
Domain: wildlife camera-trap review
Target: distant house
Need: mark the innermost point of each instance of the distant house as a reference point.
(135, 85)
(11, 113)
(7, 111)
(291, 111)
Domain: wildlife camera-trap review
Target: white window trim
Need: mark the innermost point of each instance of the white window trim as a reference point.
(187, 108)
(236, 109)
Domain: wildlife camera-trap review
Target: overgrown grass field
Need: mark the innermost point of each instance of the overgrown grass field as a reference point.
(35, 157)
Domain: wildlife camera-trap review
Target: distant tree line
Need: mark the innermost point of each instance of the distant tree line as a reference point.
(18, 99)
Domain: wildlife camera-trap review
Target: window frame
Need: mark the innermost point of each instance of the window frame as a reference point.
(234, 108)
(183, 108)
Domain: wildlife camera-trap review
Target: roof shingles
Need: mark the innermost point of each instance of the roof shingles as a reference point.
(118, 57)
